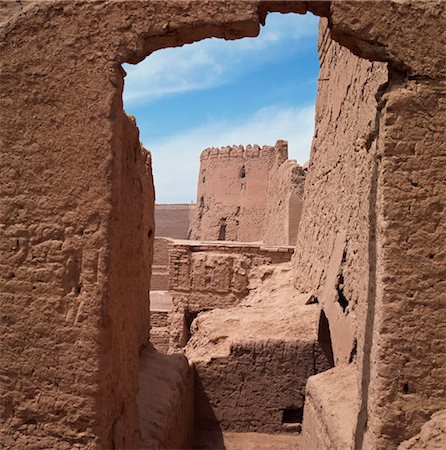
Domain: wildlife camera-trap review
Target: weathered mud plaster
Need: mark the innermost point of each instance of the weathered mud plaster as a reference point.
(63, 196)
(252, 360)
(173, 220)
(333, 244)
(208, 275)
(71, 214)
(251, 194)
(431, 437)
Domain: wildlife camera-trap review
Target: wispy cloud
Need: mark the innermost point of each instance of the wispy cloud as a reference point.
(212, 62)
(176, 158)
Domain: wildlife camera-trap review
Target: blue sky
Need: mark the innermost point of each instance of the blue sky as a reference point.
(215, 92)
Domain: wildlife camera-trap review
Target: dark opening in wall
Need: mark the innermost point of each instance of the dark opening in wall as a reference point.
(189, 317)
(222, 231)
(242, 172)
(324, 338)
(201, 207)
(293, 415)
(342, 300)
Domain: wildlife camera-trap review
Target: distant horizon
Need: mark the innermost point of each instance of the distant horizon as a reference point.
(216, 93)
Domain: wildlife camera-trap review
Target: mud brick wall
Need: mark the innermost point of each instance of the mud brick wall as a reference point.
(173, 220)
(332, 253)
(248, 194)
(207, 275)
(69, 181)
(217, 275)
(160, 268)
(159, 330)
(284, 198)
(54, 263)
(231, 194)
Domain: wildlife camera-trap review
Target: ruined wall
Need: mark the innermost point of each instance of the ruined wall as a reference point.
(332, 252)
(74, 227)
(252, 360)
(372, 250)
(248, 195)
(159, 280)
(127, 314)
(284, 196)
(173, 220)
(204, 275)
(231, 193)
(165, 401)
(60, 111)
(68, 291)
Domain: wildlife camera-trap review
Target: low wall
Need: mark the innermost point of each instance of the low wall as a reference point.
(207, 275)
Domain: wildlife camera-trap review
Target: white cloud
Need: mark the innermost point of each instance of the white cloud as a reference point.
(213, 62)
(176, 159)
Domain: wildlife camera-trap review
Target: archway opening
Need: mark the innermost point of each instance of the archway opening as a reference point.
(217, 94)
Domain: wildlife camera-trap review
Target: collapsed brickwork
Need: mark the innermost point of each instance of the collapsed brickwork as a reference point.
(63, 125)
(248, 194)
(252, 360)
(208, 275)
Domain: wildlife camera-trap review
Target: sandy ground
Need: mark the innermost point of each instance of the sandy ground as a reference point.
(247, 441)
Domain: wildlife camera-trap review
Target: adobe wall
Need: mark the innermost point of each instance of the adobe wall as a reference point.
(371, 221)
(74, 224)
(67, 290)
(159, 280)
(207, 275)
(247, 195)
(231, 193)
(60, 128)
(283, 208)
(332, 250)
(126, 315)
(173, 220)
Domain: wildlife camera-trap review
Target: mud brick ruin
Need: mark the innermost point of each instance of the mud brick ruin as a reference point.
(247, 195)
(328, 321)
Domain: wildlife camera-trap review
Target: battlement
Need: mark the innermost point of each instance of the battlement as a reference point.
(241, 152)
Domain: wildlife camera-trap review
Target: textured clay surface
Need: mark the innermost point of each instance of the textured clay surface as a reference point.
(76, 220)
(431, 437)
(173, 220)
(331, 405)
(332, 250)
(159, 280)
(247, 194)
(206, 275)
(165, 401)
(75, 214)
(252, 360)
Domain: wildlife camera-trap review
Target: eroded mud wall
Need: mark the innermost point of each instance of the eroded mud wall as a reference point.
(332, 249)
(231, 194)
(60, 83)
(72, 263)
(126, 316)
(76, 220)
(284, 196)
